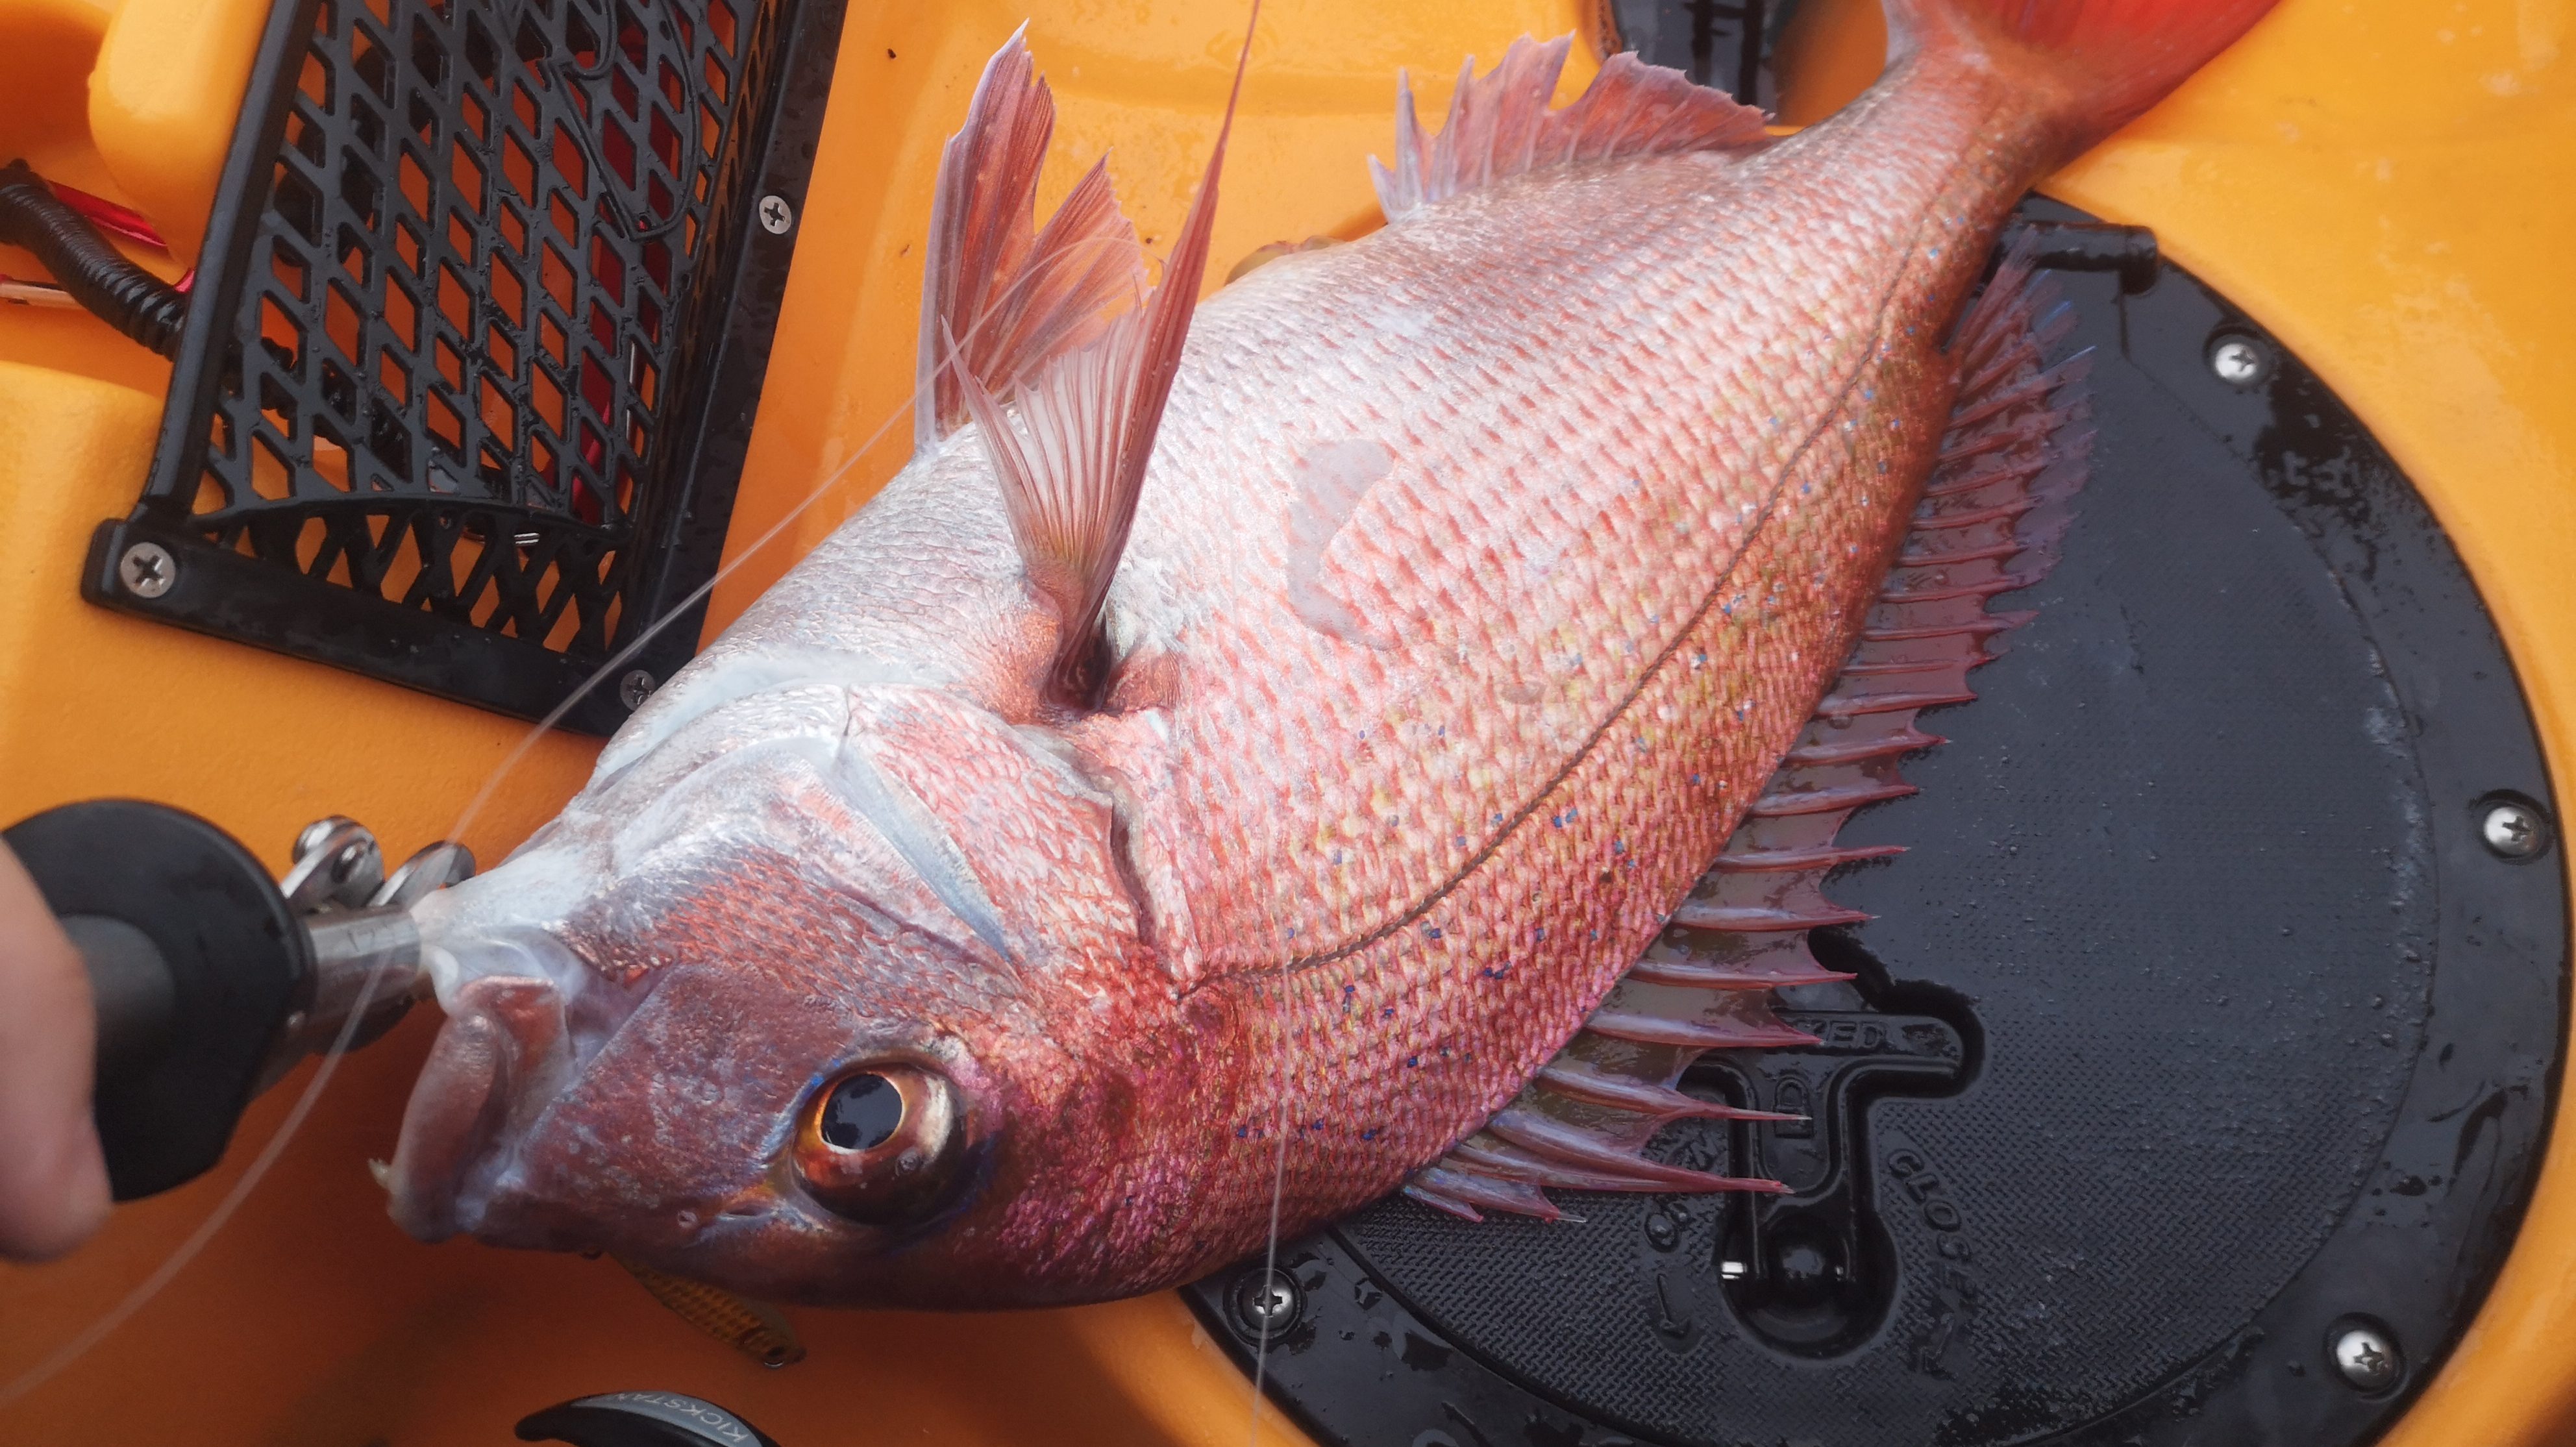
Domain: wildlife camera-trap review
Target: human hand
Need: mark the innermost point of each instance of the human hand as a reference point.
(53, 1180)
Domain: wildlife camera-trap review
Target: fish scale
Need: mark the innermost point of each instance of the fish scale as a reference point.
(1230, 799)
(1798, 581)
(1599, 607)
(1990, 518)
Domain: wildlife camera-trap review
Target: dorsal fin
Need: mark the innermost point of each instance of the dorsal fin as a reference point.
(1070, 396)
(1010, 294)
(1499, 124)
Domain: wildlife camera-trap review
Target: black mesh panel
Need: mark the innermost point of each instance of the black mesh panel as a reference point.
(490, 289)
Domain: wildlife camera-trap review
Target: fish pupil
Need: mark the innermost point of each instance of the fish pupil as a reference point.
(863, 1113)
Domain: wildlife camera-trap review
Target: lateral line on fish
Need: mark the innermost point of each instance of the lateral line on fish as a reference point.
(1646, 676)
(1775, 864)
(1948, 174)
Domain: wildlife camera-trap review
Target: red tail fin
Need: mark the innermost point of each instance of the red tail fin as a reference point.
(2111, 58)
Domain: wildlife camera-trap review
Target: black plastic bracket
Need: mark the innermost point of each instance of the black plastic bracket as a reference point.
(1812, 1272)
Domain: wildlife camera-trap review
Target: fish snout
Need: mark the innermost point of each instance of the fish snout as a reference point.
(502, 1055)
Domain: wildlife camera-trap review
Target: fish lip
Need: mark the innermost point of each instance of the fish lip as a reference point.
(525, 1016)
(595, 1006)
(496, 1036)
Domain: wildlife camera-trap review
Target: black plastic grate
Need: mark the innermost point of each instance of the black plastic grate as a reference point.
(478, 336)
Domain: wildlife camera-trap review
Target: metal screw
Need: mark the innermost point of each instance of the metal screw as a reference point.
(1267, 1303)
(2367, 1357)
(776, 215)
(2239, 361)
(147, 570)
(634, 688)
(2514, 830)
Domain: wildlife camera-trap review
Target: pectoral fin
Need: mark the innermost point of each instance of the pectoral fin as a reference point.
(1003, 294)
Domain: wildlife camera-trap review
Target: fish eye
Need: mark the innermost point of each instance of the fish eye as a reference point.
(877, 1141)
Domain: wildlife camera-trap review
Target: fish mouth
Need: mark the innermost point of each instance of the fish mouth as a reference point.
(516, 1034)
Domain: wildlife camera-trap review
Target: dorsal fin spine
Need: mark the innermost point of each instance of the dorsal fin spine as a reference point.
(1500, 125)
(1055, 355)
(1004, 293)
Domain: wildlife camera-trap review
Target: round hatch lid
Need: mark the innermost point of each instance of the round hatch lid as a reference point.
(2202, 1045)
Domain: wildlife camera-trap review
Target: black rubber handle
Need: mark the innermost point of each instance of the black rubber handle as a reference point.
(195, 961)
(129, 982)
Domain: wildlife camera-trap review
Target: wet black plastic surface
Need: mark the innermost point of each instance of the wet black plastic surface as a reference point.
(2198, 1022)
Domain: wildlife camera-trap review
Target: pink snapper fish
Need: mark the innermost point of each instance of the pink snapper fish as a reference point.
(1246, 745)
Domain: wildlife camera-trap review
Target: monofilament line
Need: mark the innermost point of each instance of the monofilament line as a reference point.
(1278, 1190)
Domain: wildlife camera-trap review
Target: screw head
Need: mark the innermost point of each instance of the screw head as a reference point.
(2367, 1357)
(2514, 830)
(776, 215)
(634, 688)
(2239, 361)
(147, 570)
(1266, 1303)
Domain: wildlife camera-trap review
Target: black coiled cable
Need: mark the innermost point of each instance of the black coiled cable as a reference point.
(124, 295)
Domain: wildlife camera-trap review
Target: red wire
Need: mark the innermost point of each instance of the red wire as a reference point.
(107, 216)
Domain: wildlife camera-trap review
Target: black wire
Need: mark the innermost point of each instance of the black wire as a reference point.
(124, 295)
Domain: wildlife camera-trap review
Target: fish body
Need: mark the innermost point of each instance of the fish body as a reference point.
(1483, 571)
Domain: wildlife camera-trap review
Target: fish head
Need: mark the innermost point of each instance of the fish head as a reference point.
(828, 998)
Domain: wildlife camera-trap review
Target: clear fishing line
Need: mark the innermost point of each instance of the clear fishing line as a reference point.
(1270, 1252)
(141, 1295)
(1279, 1113)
